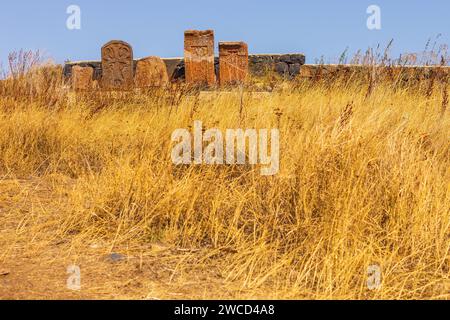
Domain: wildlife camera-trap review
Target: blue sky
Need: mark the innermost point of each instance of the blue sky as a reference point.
(316, 27)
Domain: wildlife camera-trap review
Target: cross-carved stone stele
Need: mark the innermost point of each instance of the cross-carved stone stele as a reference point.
(117, 66)
(233, 57)
(199, 57)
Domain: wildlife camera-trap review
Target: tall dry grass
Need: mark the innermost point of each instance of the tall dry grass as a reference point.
(364, 180)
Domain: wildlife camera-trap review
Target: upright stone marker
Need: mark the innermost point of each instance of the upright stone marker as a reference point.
(117, 66)
(233, 57)
(151, 72)
(82, 78)
(199, 57)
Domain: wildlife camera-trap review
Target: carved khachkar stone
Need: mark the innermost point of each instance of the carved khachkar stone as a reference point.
(82, 78)
(151, 72)
(233, 60)
(199, 57)
(117, 66)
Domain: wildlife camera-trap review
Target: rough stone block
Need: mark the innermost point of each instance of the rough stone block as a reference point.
(151, 72)
(117, 66)
(294, 69)
(282, 68)
(233, 65)
(306, 71)
(172, 66)
(82, 78)
(199, 57)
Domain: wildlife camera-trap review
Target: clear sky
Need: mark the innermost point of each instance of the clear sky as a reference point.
(315, 27)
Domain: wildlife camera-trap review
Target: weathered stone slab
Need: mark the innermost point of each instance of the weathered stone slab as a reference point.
(117, 66)
(151, 72)
(233, 61)
(82, 78)
(199, 57)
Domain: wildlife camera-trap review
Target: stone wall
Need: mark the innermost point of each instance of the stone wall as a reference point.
(393, 72)
(287, 65)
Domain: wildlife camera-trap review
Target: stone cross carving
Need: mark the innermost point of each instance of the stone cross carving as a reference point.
(117, 66)
(199, 57)
(233, 57)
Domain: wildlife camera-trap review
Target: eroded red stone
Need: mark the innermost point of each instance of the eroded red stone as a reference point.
(151, 72)
(199, 57)
(82, 78)
(233, 59)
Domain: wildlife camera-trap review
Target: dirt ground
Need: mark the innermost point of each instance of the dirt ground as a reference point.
(34, 259)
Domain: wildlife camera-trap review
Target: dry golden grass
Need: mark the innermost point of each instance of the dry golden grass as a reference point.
(364, 180)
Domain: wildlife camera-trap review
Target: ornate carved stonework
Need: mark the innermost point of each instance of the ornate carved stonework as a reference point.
(199, 57)
(117, 66)
(233, 57)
